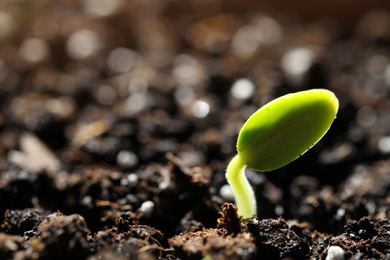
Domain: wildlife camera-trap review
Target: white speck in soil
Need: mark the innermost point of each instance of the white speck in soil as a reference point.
(335, 253)
(132, 179)
(384, 144)
(226, 193)
(147, 208)
(243, 89)
(126, 158)
(200, 109)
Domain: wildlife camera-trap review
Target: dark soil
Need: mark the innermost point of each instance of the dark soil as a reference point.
(117, 124)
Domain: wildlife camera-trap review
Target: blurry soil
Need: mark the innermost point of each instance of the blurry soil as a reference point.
(117, 122)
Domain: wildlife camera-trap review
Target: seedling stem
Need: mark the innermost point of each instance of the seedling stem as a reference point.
(246, 202)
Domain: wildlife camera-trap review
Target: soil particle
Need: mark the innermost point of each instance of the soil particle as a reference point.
(275, 240)
(17, 187)
(9, 244)
(188, 224)
(364, 239)
(215, 243)
(370, 236)
(128, 239)
(60, 235)
(188, 189)
(19, 221)
(228, 241)
(230, 220)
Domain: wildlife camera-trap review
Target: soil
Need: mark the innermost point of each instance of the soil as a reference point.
(117, 122)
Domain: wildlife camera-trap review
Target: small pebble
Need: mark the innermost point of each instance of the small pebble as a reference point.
(297, 61)
(335, 253)
(132, 179)
(34, 50)
(226, 193)
(384, 144)
(147, 208)
(83, 44)
(243, 89)
(279, 210)
(200, 109)
(121, 60)
(126, 158)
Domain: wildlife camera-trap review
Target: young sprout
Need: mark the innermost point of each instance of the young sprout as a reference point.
(277, 134)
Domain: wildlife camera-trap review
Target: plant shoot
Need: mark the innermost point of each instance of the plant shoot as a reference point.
(277, 134)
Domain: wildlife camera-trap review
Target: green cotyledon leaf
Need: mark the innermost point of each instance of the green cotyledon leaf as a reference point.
(286, 128)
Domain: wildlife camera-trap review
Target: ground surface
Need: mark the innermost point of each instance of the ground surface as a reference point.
(117, 122)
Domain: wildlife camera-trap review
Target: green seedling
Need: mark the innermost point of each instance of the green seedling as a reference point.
(277, 134)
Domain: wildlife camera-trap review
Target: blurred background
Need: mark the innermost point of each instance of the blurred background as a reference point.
(126, 82)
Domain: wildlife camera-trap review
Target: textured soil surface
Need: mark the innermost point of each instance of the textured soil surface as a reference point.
(118, 119)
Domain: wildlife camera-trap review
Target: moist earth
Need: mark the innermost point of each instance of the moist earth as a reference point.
(117, 124)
